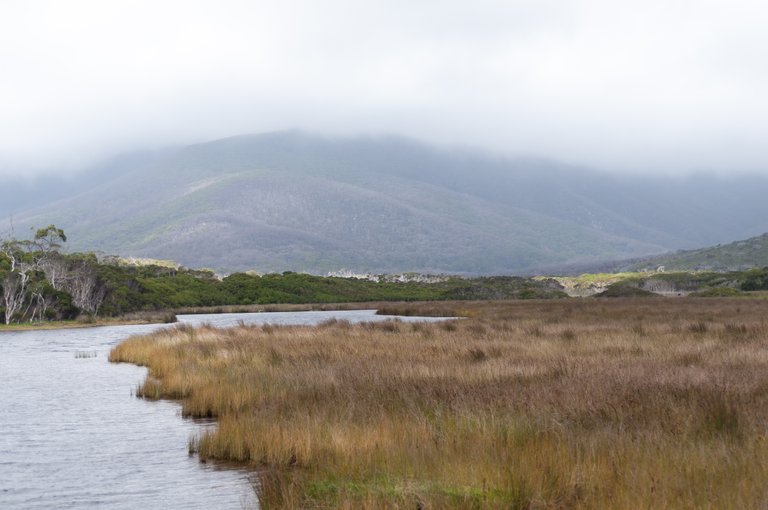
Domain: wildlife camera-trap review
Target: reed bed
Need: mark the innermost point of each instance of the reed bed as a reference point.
(636, 403)
(281, 307)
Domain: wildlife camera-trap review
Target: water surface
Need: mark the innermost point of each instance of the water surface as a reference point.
(73, 436)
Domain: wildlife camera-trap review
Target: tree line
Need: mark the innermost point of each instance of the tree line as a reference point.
(40, 282)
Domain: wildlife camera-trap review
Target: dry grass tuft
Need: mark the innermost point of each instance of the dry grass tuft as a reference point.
(559, 404)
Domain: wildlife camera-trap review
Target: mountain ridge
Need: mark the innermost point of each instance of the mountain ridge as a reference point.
(295, 201)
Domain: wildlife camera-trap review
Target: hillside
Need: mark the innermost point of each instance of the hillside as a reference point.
(736, 256)
(293, 201)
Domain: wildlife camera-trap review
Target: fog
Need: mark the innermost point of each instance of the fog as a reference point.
(661, 86)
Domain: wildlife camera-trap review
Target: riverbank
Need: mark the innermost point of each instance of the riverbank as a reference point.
(626, 403)
(93, 322)
(42, 326)
(169, 316)
(283, 307)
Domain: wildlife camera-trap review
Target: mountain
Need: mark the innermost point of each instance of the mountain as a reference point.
(295, 201)
(19, 195)
(737, 256)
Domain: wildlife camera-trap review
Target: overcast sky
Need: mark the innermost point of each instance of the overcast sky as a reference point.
(658, 85)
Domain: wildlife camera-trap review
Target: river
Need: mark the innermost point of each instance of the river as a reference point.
(72, 435)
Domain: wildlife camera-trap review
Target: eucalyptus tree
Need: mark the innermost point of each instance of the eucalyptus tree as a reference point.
(77, 275)
(23, 262)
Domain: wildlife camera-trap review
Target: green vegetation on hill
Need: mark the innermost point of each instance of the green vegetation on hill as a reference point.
(737, 256)
(699, 284)
(679, 283)
(152, 288)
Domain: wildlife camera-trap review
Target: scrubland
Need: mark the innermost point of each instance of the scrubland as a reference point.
(625, 403)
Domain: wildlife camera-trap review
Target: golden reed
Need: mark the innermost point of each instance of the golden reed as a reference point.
(628, 403)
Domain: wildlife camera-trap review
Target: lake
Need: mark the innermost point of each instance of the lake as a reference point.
(72, 435)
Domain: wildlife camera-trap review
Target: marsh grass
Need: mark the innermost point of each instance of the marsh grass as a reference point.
(421, 309)
(282, 307)
(565, 404)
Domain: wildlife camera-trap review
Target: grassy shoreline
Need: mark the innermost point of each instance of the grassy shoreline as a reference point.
(284, 307)
(133, 319)
(164, 316)
(66, 325)
(625, 403)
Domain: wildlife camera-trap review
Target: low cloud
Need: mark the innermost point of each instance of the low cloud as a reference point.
(653, 87)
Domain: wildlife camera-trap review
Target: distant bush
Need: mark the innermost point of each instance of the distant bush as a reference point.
(623, 290)
(755, 279)
(86, 319)
(717, 292)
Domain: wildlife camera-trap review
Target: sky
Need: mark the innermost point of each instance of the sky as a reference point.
(659, 86)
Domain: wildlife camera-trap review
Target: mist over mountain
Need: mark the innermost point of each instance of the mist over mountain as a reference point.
(295, 201)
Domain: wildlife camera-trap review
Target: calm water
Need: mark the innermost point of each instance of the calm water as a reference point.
(73, 436)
